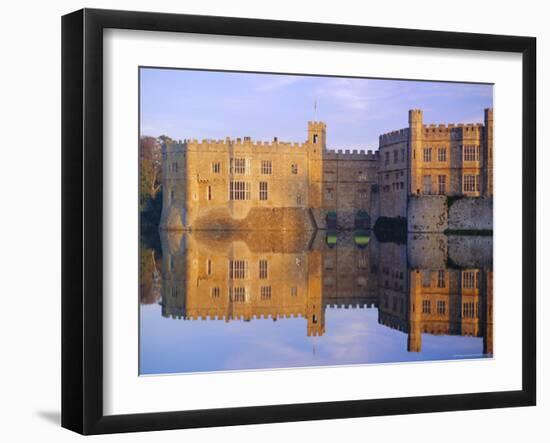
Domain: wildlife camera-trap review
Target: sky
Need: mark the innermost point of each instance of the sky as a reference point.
(215, 105)
(353, 336)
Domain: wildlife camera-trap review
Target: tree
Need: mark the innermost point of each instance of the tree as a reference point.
(150, 169)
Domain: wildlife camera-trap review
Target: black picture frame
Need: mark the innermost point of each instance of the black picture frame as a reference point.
(82, 218)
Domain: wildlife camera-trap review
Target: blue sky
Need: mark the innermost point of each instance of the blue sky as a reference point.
(353, 336)
(206, 104)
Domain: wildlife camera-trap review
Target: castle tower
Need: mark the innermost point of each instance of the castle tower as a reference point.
(414, 338)
(174, 268)
(173, 185)
(317, 134)
(488, 153)
(315, 310)
(317, 143)
(488, 314)
(415, 149)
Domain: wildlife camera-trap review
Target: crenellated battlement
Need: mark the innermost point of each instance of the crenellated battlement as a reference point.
(216, 315)
(245, 143)
(351, 154)
(451, 127)
(390, 138)
(350, 305)
(452, 131)
(306, 175)
(316, 123)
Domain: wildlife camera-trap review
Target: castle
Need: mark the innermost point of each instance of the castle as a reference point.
(244, 184)
(250, 275)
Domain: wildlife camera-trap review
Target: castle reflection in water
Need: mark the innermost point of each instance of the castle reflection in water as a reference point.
(433, 284)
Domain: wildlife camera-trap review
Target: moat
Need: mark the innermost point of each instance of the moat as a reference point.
(241, 300)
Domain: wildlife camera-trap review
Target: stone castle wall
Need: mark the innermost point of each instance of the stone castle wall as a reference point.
(438, 213)
(297, 186)
(303, 276)
(288, 186)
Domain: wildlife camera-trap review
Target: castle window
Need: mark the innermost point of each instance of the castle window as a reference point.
(426, 279)
(441, 307)
(263, 190)
(294, 168)
(174, 291)
(362, 176)
(426, 307)
(362, 194)
(293, 291)
(238, 269)
(215, 292)
(239, 190)
(175, 167)
(362, 262)
(471, 153)
(395, 156)
(209, 192)
(238, 295)
(442, 184)
(470, 279)
(329, 263)
(298, 199)
(442, 155)
(440, 279)
(263, 269)
(329, 193)
(470, 183)
(239, 166)
(315, 136)
(172, 196)
(265, 292)
(209, 267)
(216, 168)
(402, 155)
(427, 184)
(468, 310)
(427, 154)
(266, 167)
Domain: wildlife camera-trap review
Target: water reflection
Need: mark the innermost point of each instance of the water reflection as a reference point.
(246, 300)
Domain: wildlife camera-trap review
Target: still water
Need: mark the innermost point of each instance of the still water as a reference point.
(215, 301)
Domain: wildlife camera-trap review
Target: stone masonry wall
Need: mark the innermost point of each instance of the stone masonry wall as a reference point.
(471, 213)
(427, 213)
(437, 213)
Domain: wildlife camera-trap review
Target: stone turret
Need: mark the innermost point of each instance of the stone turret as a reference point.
(488, 153)
(415, 149)
(315, 310)
(174, 185)
(317, 134)
(317, 143)
(414, 338)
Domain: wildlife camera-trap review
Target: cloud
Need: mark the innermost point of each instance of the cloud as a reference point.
(275, 82)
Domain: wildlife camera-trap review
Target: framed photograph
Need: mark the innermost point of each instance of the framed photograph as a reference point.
(268, 221)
